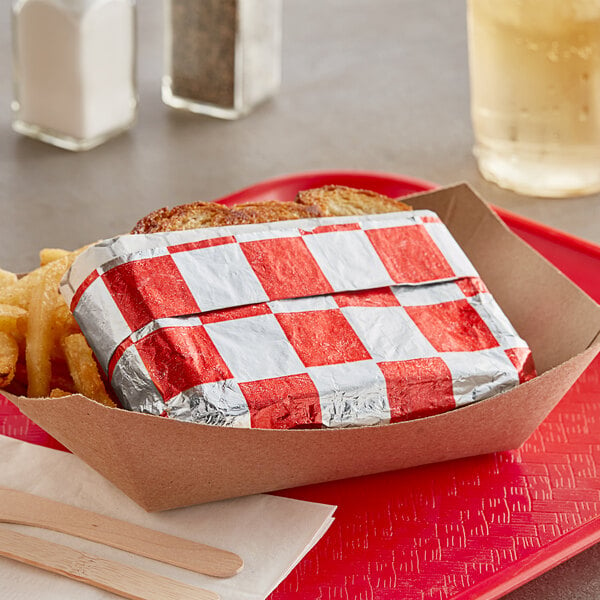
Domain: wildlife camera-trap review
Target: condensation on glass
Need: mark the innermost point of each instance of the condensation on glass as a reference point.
(535, 94)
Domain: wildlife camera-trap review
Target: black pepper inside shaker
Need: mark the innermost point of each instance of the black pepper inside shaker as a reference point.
(222, 57)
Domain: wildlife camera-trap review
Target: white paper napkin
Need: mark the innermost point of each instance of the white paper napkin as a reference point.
(271, 534)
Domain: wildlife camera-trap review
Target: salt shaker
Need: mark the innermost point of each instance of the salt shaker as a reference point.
(74, 70)
(222, 57)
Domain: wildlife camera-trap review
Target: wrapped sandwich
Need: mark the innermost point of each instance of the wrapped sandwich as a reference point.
(344, 308)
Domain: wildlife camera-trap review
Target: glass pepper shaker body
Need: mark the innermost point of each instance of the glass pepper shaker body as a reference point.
(222, 57)
(74, 70)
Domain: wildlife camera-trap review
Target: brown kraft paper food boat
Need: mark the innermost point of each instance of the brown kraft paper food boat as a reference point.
(162, 463)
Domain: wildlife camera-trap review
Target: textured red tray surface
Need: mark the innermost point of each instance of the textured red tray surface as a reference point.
(472, 528)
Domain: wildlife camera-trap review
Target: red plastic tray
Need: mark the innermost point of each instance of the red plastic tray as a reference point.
(472, 528)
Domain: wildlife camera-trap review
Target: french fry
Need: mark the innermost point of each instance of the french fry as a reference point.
(48, 255)
(7, 278)
(42, 349)
(84, 370)
(40, 327)
(64, 325)
(65, 322)
(19, 293)
(9, 315)
(9, 354)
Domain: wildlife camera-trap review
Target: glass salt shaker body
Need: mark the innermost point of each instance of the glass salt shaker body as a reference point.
(74, 70)
(222, 57)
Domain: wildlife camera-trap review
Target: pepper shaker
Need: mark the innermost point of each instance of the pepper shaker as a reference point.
(222, 57)
(74, 70)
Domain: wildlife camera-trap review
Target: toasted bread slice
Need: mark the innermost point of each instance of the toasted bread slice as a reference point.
(337, 200)
(272, 210)
(209, 214)
(185, 216)
(321, 202)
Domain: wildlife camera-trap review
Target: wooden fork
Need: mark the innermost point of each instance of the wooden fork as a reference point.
(129, 582)
(26, 509)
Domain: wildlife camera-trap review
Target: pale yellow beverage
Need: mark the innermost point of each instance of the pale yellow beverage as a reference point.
(535, 94)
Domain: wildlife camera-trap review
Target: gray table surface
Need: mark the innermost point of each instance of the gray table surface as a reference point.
(367, 84)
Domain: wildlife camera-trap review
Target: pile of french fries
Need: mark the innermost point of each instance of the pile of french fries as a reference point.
(42, 350)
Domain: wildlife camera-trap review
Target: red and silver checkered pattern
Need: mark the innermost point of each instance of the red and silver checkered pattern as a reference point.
(324, 322)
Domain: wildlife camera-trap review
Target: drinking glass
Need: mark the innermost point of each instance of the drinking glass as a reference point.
(535, 94)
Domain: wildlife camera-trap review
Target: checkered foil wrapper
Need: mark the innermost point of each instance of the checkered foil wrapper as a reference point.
(334, 322)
